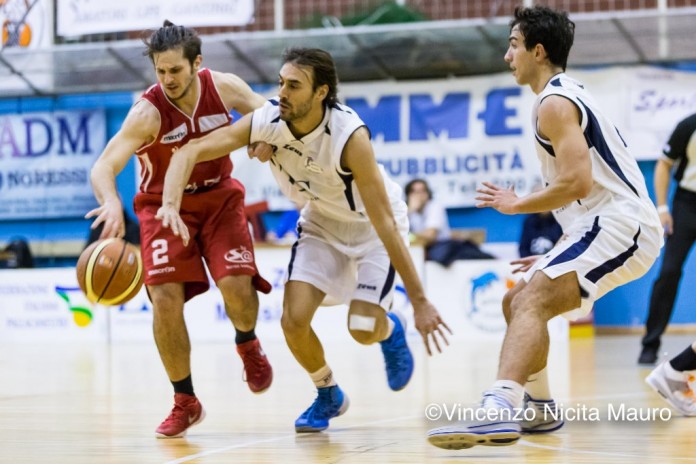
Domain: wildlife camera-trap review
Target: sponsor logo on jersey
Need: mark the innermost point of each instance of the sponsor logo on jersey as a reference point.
(239, 255)
(367, 287)
(311, 166)
(292, 149)
(175, 135)
(163, 270)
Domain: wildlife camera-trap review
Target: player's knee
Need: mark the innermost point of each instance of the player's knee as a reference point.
(525, 304)
(363, 337)
(363, 329)
(238, 291)
(292, 325)
(166, 299)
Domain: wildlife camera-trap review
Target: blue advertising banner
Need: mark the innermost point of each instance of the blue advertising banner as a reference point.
(459, 132)
(45, 159)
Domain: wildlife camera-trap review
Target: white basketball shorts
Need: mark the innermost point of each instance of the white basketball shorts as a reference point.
(345, 260)
(605, 252)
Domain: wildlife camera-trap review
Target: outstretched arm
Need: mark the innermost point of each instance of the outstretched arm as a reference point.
(359, 158)
(217, 144)
(140, 127)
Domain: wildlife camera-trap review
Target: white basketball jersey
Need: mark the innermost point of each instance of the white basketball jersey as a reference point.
(618, 185)
(308, 170)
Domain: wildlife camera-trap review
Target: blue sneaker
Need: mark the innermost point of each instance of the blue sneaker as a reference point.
(545, 416)
(331, 402)
(496, 427)
(397, 356)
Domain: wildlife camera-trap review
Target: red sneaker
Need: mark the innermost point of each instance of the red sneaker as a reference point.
(187, 412)
(257, 370)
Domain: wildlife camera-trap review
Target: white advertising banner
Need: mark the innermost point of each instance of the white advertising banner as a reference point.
(79, 17)
(207, 321)
(469, 294)
(47, 305)
(26, 24)
(457, 133)
(45, 160)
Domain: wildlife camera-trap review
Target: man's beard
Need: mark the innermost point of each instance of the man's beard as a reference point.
(186, 89)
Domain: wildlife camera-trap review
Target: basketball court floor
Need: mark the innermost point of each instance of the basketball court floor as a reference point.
(98, 403)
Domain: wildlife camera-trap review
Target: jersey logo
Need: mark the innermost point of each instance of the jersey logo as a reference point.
(292, 149)
(311, 166)
(208, 123)
(239, 255)
(175, 135)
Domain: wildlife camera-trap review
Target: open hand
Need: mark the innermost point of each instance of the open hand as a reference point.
(111, 215)
(429, 324)
(170, 218)
(501, 199)
(524, 264)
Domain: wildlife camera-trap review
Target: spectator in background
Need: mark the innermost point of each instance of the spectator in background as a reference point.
(16, 255)
(679, 226)
(429, 226)
(427, 218)
(540, 232)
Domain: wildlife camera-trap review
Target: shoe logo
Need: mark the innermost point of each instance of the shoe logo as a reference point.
(191, 419)
(239, 255)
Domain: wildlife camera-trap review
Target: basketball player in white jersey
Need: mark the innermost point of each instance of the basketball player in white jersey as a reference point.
(612, 233)
(348, 248)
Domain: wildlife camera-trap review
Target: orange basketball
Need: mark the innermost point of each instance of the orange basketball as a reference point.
(110, 271)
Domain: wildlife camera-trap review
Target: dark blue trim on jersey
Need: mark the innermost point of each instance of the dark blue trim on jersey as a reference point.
(556, 82)
(622, 139)
(595, 138)
(388, 284)
(579, 247)
(545, 145)
(613, 264)
(348, 182)
(293, 251)
(274, 102)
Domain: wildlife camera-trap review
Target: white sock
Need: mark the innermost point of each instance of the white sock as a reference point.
(510, 391)
(537, 385)
(390, 327)
(323, 377)
(672, 373)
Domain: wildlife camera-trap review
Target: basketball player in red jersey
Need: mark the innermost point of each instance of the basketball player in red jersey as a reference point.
(187, 103)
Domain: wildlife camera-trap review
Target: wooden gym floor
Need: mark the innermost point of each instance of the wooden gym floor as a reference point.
(78, 404)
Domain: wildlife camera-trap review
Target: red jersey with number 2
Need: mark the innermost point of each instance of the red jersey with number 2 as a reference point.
(177, 128)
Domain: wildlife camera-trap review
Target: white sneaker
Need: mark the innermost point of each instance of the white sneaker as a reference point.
(494, 432)
(676, 392)
(544, 416)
